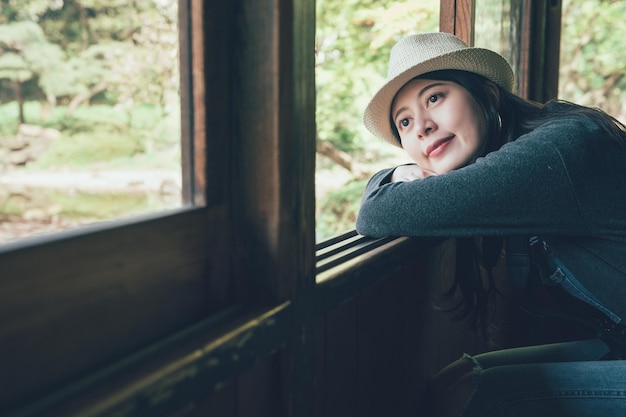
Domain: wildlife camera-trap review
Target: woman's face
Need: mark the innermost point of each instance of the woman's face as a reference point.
(441, 126)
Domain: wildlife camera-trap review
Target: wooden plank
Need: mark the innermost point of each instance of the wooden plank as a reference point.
(447, 15)
(457, 17)
(174, 375)
(186, 101)
(464, 20)
(331, 257)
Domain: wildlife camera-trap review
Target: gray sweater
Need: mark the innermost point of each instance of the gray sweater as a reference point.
(564, 181)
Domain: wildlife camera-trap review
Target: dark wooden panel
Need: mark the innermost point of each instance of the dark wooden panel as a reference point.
(417, 304)
(401, 340)
(340, 384)
(381, 318)
(75, 301)
(540, 31)
(259, 390)
(172, 376)
(212, 47)
(357, 270)
(372, 344)
(321, 374)
(444, 339)
(393, 334)
(222, 403)
(553, 49)
(255, 393)
(273, 147)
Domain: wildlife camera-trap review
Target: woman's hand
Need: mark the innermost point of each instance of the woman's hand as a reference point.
(406, 173)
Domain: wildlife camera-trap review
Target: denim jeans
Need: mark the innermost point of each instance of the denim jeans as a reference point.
(562, 379)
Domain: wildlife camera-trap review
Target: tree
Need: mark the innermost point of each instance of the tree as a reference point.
(25, 53)
(78, 49)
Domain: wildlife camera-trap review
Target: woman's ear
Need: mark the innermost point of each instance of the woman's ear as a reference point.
(494, 91)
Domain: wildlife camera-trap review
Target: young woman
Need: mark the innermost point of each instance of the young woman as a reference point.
(489, 164)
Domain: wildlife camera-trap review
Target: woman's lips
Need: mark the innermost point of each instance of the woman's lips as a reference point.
(438, 147)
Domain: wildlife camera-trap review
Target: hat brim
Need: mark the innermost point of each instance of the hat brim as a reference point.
(477, 60)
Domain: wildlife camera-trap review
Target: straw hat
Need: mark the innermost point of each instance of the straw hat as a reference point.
(426, 52)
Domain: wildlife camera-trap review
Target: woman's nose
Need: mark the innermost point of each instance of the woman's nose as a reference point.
(425, 127)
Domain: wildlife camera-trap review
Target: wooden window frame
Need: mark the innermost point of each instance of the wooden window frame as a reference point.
(112, 289)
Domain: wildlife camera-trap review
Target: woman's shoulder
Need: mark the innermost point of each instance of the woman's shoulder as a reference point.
(571, 139)
(567, 135)
(570, 117)
(566, 115)
(560, 128)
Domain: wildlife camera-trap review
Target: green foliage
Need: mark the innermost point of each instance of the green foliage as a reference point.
(19, 10)
(82, 47)
(26, 52)
(593, 69)
(337, 211)
(8, 116)
(104, 135)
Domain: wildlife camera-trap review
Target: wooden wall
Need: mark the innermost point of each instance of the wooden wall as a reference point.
(373, 352)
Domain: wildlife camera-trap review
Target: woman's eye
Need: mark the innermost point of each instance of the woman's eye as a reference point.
(404, 122)
(434, 98)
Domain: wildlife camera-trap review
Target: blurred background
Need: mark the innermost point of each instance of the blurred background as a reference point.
(89, 112)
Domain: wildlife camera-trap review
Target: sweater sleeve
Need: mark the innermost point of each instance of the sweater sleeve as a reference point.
(523, 188)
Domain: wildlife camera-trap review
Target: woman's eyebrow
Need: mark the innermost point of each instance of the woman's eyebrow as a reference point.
(419, 95)
(400, 110)
(427, 87)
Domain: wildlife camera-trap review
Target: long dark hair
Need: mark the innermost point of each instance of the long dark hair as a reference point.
(508, 117)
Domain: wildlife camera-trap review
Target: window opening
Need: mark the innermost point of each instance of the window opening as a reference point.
(353, 40)
(89, 113)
